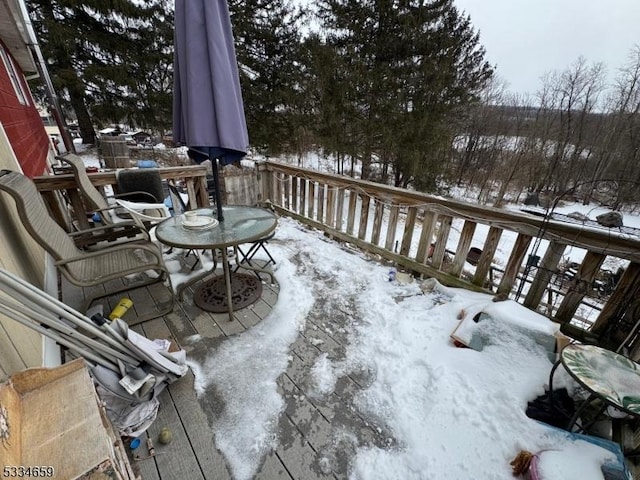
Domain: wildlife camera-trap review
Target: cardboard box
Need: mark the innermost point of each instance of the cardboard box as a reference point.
(54, 419)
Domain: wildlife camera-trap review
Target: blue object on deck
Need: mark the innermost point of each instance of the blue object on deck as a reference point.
(147, 164)
(612, 469)
(135, 443)
(392, 274)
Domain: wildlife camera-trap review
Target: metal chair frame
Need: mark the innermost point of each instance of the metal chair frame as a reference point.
(81, 267)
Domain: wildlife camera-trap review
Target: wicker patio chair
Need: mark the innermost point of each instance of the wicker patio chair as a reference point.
(140, 185)
(86, 268)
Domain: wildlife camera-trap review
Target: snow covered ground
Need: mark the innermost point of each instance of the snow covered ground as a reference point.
(453, 412)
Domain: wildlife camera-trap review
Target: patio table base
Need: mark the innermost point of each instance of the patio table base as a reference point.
(212, 297)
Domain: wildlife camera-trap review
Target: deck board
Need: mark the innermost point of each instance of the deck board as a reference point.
(317, 434)
(191, 416)
(273, 469)
(177, 459)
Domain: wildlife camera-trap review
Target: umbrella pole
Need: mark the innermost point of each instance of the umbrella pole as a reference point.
(214, 165)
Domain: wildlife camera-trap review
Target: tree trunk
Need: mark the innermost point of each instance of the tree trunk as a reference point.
(366, 166)
(84, 120)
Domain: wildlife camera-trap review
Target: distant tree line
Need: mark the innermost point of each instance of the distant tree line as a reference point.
(578, 138)
(110, 62)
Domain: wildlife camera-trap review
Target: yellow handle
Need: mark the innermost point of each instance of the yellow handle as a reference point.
(123, 305)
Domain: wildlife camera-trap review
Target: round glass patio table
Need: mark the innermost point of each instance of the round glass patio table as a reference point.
(606, 375)
(241, 224)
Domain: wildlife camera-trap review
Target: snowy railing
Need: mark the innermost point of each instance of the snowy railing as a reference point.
(474, 247)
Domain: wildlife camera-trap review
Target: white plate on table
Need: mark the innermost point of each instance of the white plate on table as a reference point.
(199, 223)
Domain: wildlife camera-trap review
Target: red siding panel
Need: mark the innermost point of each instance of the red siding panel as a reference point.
(23, 125)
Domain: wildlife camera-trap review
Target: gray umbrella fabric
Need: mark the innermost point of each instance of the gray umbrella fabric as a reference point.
(208, 113)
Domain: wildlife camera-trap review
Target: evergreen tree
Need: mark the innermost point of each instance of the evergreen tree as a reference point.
(411, 65)
(332, 99)
(267, 47)
(103, 56)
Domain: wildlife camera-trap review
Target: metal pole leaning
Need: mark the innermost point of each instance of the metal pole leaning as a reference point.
(63, 330)
(49, 305)
(26, 321)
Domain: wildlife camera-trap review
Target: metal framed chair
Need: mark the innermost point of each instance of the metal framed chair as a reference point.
(145, 215)
(80, 267)
(111, 214)
(179, 206)
(248, 256)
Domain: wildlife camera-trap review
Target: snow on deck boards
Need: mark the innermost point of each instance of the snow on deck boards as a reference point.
(316, 436)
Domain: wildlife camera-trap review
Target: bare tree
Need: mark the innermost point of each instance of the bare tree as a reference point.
(518, 151)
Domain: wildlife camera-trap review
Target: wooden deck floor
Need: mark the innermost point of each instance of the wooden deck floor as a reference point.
(316, 437)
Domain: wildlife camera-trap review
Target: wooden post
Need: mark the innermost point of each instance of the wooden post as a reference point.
(392, 225)
(294, 194)
(584, 279)
(513, 265)
(201, 194)
(331, 206)
(486, 257)
(311, 199)
(287, 191)
(377, 222)
(426, 236)
(407, 235)
(351, 214)
(303, 196)
(365, 201)
(620, 296)
(265, 183)
(441, 242)
(275, 190)
(462, 251)
(340, 208)
(545, 270)
(321, 188)
(78, 208)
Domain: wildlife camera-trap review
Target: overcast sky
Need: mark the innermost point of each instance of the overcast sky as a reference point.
(526, 38)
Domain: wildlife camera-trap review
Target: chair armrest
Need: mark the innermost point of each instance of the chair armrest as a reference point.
(151, 248)
(137, 194)
(137, 209)
(121, 232)
(104, 228)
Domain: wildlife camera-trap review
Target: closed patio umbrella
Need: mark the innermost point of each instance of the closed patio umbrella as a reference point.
(208, 114)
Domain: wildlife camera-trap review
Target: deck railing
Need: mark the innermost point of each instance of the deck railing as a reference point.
(458, 243)
(414, 231)
(53, 187)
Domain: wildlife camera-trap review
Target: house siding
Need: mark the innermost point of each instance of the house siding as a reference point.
(20, 347)
(24, 145)
(22, 124)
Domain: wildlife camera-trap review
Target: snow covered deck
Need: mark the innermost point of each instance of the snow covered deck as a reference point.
(309, 425)
(339, 373)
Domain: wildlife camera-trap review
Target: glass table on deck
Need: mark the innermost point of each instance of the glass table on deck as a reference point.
(241, 224)
(607, 376)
